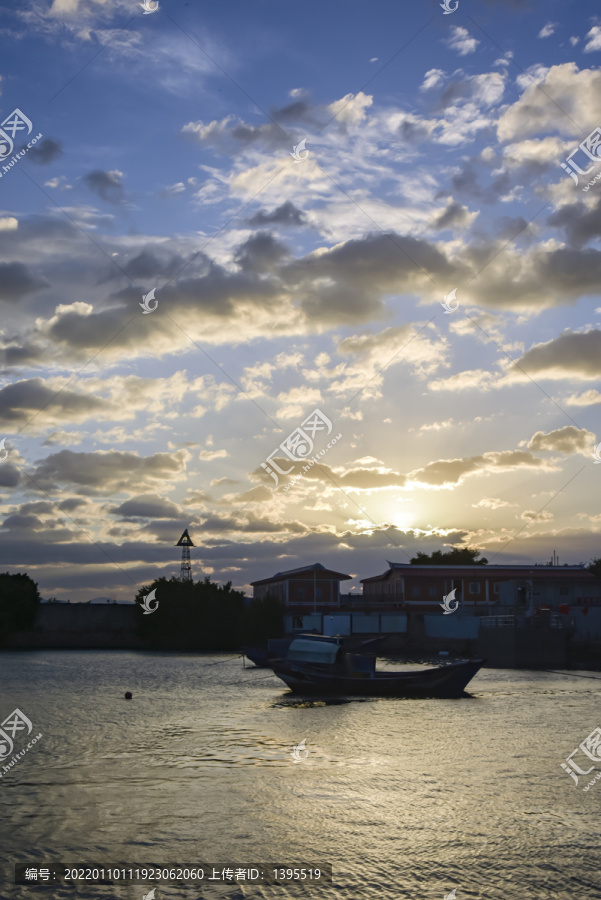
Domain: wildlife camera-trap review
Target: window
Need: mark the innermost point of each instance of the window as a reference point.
(318, 594)
(415, 590)
(495, 589)
(432, 591)
(564, 590)
(300, 592)
(474, 587)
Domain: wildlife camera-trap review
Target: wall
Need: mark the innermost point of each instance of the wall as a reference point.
(80, 626)
(85, 616)
(350, 623)
(451, 626)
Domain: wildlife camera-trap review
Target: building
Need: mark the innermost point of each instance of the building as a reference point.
(479, 589)
(304, 589)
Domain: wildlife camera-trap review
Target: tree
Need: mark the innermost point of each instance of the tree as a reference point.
(197, 615)
(594, 567)
(262, 619)
(19, 600)
(457, 556)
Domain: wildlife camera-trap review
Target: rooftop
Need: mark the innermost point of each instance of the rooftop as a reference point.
(317, 568)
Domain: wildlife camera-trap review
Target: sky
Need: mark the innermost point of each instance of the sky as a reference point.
(355, 237)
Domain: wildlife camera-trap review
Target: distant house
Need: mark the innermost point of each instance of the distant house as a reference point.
(309, 587)
(422, 587)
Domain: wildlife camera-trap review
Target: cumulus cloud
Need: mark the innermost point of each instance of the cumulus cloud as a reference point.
(107, 470)
(17, 281)
(447, 472)
(554, 100)
(582, 223)
(45, 152)
(147, 506)
(568, 440)
(547, 30)
(209, 455)
(286, 214)
(587, 398)
(454, 216)
(571, 356)
(593, 39)
(531, 515)
(437, 475)
(107, 185)
(462, 41)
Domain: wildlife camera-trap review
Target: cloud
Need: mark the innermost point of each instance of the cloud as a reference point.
(568, 440)
(582, 223)
(532, 516)
(447, 472)
(547, 30)
(286, 214)
(17, 282)
(112, 398)
(107, 185)
(461, 41)
(231, 135)
(59, 182)
(173, 190)
(148, 506)
(107, 470)
(455, 215)
(260, 253)
(437, 475)
(554, 100)
(22, 399)
(45, 152)
(209, 455)
(64, 438)
(570, 356)
(594, 39)
(472, 92)
(432, 79)
(351, 109)
(71, 7)
(587, 398)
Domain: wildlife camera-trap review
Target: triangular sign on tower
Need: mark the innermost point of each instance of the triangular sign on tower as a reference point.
(185, 540)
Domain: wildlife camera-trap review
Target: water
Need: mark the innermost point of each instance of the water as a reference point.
(405, 798)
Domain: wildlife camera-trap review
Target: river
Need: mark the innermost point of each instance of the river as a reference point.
(404, 798)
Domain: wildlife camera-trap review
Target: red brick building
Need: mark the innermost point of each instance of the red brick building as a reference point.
(303, 589)
(422, 587)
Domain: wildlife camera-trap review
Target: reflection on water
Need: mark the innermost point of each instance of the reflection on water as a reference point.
(406, 798)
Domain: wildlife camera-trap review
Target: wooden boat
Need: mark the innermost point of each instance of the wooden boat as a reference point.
(278, 647)
(261, 657)
(324, 667)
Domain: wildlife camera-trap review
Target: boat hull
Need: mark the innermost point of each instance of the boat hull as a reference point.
(261, 658)
(442, 681)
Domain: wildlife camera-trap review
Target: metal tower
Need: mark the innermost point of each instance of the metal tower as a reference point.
(185, 543)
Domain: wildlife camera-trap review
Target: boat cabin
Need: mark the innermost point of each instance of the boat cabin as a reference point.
(330, 653)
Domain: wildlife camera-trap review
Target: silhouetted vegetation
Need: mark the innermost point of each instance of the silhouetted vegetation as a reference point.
(594, 567)
(262, 619)
(191, 615)
(455, 557)
(19, 600)
(202, 615)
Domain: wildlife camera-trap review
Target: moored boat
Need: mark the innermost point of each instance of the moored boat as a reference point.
(324, 667)
(262, 657)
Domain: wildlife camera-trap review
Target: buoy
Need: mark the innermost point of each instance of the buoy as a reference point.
(128, 695)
